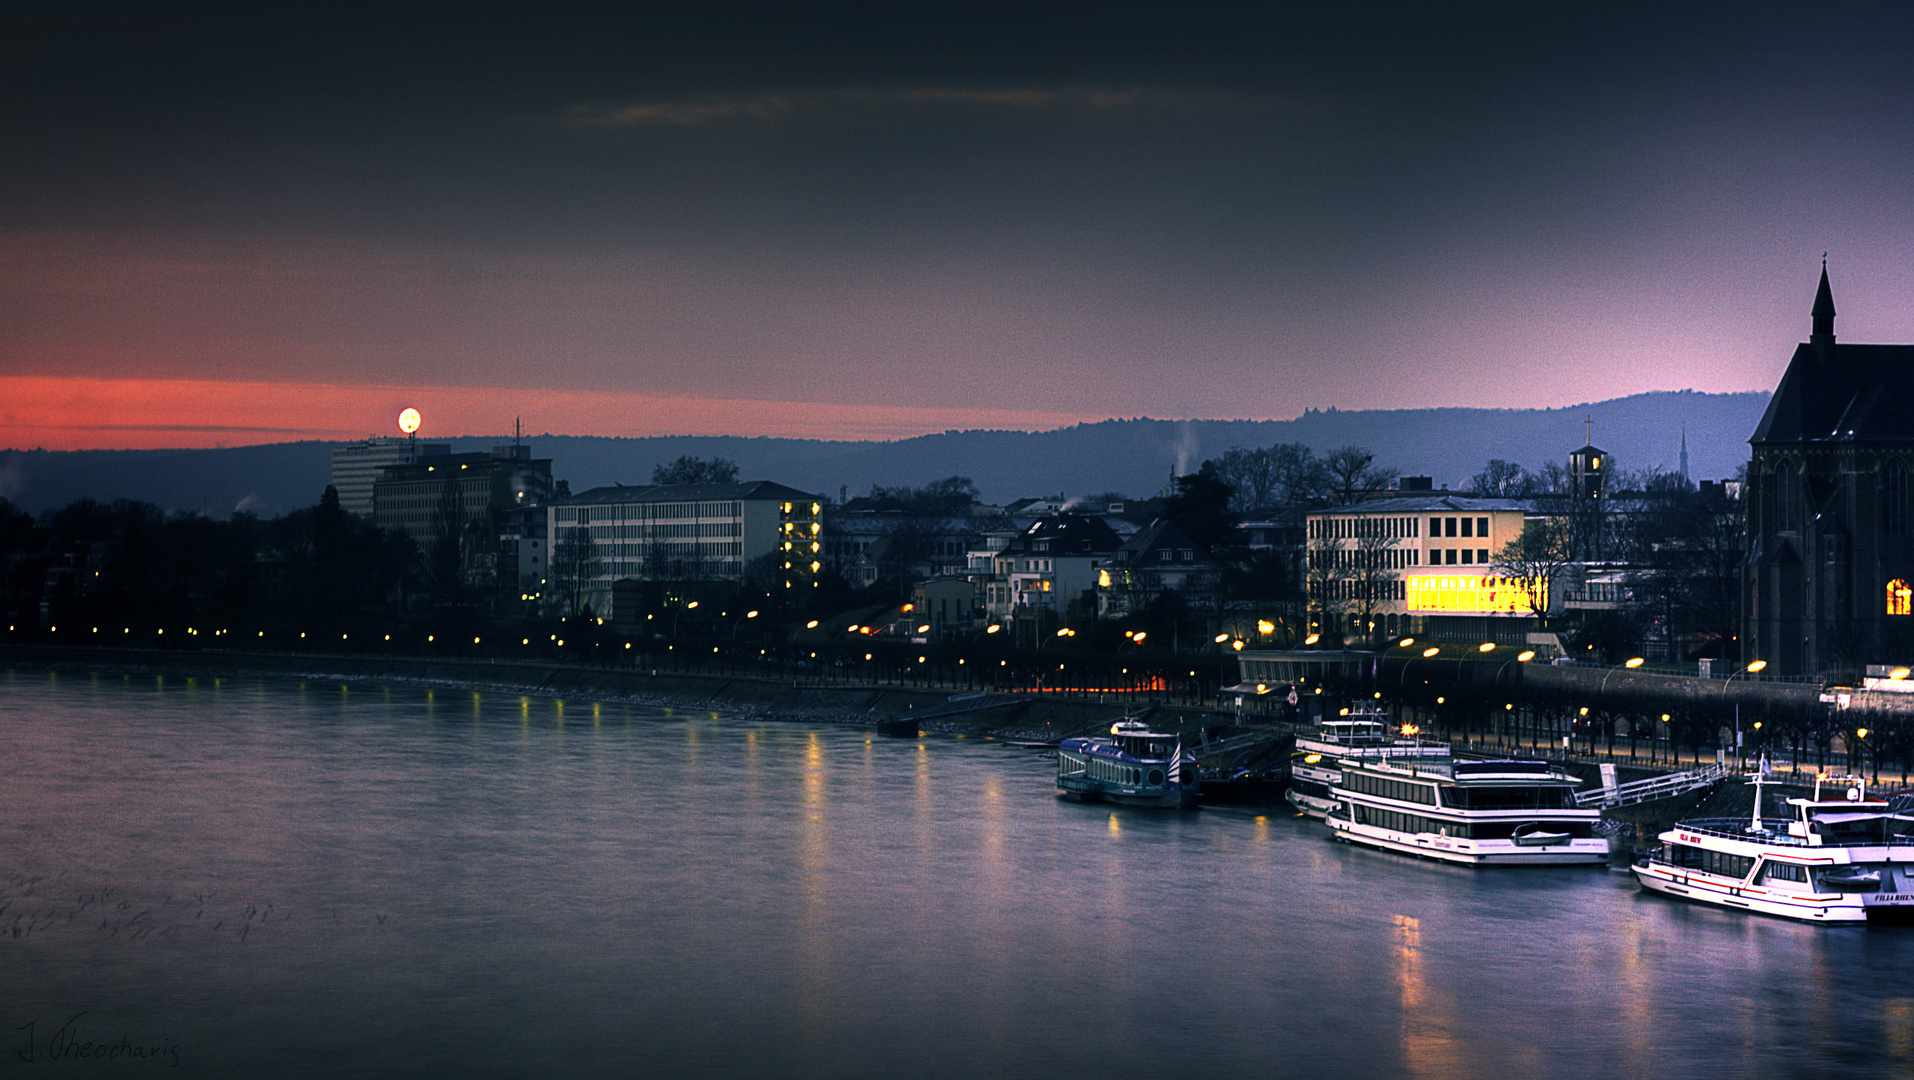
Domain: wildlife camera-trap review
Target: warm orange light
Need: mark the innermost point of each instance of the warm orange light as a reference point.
(1634, 663)
(1431, 651)
(409, 421)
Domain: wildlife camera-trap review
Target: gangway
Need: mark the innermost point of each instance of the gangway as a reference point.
(1652, 788)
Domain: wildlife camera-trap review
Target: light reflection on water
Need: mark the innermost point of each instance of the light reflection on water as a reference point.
(315, 880)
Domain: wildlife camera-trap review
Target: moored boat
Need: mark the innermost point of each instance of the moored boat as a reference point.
(1316, 768)
(1834, 858)
(1131, 765)
(1481, 813)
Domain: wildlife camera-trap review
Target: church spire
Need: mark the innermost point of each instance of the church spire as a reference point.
(1823, 312)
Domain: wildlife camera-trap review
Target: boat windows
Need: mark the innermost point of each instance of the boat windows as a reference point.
(1508, 798)
(1394, 820)
(1784, 871)
(1689, 857)
(1395, 790)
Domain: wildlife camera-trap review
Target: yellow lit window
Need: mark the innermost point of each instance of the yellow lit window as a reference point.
(1898, 597)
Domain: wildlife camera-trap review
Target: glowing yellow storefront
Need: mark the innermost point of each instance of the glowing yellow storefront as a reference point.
(1466, 594)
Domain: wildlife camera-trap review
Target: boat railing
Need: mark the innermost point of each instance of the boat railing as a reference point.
(1737, 829)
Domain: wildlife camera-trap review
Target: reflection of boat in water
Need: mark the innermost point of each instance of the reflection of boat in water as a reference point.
(1131, 765)
(1360, 736)
(1836, 859)
(1476, 812)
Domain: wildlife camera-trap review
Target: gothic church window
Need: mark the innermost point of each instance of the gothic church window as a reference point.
(1894, 508)
(1784, 499)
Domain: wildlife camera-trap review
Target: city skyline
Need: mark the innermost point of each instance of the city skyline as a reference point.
(230, 226)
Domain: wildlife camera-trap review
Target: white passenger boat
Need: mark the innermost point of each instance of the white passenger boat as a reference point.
(1474, 812)
(1132, 765)
(1362, 736)
(1837, 856)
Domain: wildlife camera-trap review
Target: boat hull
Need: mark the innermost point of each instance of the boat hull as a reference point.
(1826, 908)
(1160, 798)
(1589, 852)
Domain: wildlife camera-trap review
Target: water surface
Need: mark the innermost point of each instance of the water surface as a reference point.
(256, 878)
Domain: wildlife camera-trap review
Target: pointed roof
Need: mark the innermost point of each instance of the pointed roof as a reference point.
(1857, 393)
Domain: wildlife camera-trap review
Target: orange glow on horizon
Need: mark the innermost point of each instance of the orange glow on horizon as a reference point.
(60, 413)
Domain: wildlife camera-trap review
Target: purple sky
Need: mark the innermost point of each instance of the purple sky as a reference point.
(992, 215)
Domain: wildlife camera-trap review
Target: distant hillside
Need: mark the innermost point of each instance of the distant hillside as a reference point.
(1136, 457)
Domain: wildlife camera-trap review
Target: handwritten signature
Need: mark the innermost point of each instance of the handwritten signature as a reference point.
(67, 1044)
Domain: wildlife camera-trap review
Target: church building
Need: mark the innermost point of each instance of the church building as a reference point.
(1830, 533)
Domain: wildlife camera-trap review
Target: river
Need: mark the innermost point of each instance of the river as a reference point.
(277, 878)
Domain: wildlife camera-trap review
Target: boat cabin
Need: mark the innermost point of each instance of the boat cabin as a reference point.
(1359, 730)
(1135, 738)
(1853, 819)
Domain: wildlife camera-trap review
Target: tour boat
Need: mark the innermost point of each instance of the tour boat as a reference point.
(1473, 812)
(1362, 736)
(1840, 858)
(1131, 765)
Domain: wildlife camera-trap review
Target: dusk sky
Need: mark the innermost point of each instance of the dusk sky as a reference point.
(256, 223)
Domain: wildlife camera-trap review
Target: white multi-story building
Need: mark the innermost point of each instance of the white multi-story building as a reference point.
(1389, 566)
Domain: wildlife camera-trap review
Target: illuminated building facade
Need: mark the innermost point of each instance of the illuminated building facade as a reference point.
(1830, 514)
(1417, 564)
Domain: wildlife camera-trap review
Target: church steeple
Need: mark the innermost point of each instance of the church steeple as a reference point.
(1823, 312)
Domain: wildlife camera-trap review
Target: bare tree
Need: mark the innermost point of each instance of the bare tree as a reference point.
(449, 561)
(1324, 603)
(575, 567)
(1352, 476)
(1503, 480)
(1252, 473)
(1300, 476)
(1533, 561)
(693, 470)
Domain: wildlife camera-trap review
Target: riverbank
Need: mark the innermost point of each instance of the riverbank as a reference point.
(1005, 716)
